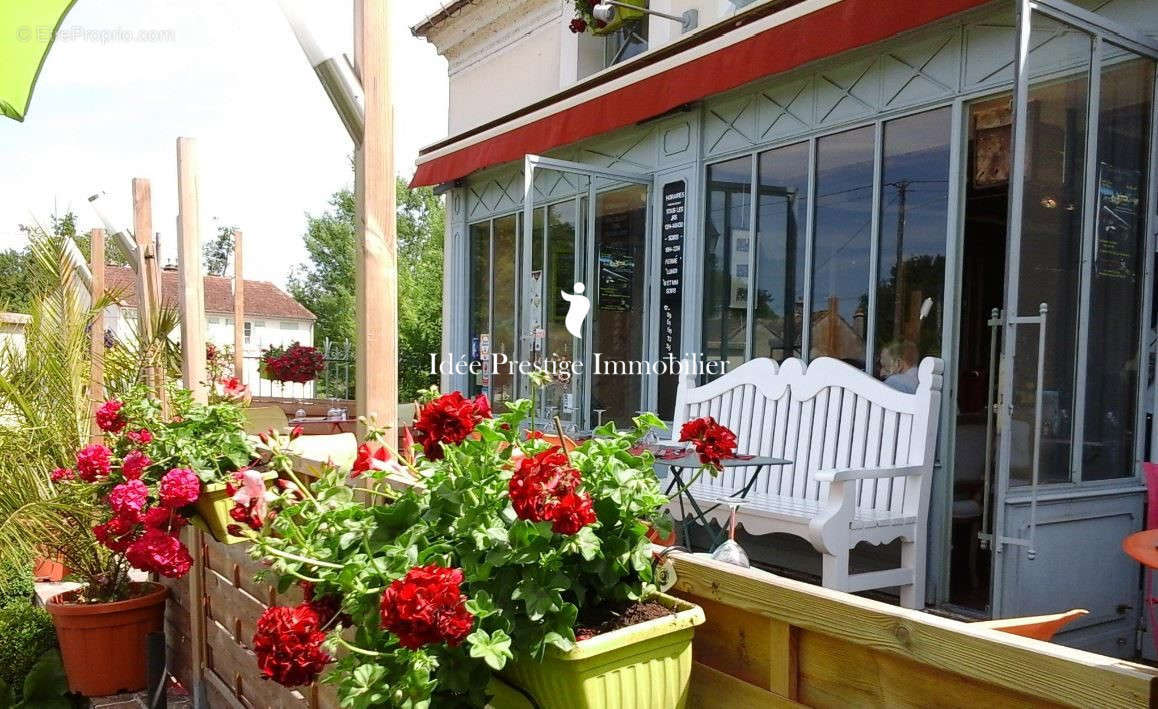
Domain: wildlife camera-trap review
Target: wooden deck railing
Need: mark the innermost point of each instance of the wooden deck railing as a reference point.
(770, 641)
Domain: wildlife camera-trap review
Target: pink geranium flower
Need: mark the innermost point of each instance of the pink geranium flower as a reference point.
(179, 487)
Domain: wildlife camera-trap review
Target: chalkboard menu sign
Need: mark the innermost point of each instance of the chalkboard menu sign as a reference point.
(671, 270)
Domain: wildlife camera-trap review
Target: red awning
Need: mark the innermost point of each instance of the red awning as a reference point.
(821, 33)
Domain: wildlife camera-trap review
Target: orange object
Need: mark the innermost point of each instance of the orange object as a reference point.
(1143, 547)
(49, 570)
(1038, 627)
(103, 644)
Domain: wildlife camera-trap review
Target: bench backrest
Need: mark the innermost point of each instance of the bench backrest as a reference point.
(821, 416)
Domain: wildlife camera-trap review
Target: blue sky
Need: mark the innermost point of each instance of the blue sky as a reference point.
(127, 77)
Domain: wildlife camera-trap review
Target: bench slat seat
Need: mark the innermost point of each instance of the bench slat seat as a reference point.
(862, 460)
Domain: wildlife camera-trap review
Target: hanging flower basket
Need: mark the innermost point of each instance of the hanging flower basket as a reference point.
(585, 21)
(296, 363)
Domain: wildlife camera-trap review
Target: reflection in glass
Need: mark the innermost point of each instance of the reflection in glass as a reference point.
(560, 276)
(840, 260)
(911, 274)
(506, 257)
(480, 299)
(1116, 287)
(618, 300)
(1050, 249)
(727, 242)
(777, 322)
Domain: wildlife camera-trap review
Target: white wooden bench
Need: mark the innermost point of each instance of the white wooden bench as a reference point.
(862, 460)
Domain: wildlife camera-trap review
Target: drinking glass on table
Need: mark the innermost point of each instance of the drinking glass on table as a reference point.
(731, 552)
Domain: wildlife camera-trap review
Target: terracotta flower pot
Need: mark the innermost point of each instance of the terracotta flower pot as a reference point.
(49, 570)
(103, 644)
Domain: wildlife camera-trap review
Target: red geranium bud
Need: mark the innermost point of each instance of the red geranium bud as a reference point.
(296, 432)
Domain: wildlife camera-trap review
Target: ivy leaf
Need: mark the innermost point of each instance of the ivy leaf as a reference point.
(538, 600)
(481, 605)
(587, 542)
(560, 641)
(493, 648)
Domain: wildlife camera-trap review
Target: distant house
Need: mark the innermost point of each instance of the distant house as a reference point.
(272, 316)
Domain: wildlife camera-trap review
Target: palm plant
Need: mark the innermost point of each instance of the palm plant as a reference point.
(45, 407)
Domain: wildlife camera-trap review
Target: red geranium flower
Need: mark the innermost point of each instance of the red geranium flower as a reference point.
(128, 498)
(288, 644)
(63, 475)
(544, 488)
(426, 607)
(711, 440)
(117, 533)
(578, 25)
(109, 417)
(134, 465)
(179, 487)
(140, 437)
(572, 513)
(92, 462)
(160, 553)
(164, 519)
(449, 419)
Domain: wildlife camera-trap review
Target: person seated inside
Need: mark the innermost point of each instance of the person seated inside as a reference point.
(898, 366)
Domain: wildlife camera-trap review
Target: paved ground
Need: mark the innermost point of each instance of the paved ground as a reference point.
(178, 698)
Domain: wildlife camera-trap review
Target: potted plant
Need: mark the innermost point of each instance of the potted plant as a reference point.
(585, 20)
(296, 363)
(509, 559)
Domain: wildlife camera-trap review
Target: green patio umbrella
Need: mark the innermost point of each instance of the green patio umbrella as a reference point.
(27, 28)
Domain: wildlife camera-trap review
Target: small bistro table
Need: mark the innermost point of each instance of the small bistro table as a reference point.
(680, 460)
(320, 425)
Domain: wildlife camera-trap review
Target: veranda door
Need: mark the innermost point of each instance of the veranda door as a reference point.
(1070, 420)
(585, 233)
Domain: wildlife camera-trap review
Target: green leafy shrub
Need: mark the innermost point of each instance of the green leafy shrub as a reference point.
(26, 633)
(15, 584)
(45, 687)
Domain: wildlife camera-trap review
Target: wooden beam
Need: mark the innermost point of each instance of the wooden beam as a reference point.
(192, 285)
(148, 282)
(96, 386)
(1050, 673)
(376, 273)
(238, 308)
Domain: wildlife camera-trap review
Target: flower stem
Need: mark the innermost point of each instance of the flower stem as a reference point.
(303, 559)
(341, 642)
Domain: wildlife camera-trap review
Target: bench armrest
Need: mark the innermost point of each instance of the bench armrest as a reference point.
(842, 474)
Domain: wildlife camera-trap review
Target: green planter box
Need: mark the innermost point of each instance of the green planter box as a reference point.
(622, 15)
(645, 666)
(213, 510)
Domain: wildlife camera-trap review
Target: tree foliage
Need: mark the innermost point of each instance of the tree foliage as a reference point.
(215, 254)
(325, 284)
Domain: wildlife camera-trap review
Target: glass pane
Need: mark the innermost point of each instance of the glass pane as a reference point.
(560, 277)
(780, 223)
(620, 264)
(911, 274)
(1111, 375)
(480, 299)
(506, 258)
(1050, 249)
(727, 240)
(840, 258)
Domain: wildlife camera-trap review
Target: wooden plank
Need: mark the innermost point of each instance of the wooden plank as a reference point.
(237, 668)
(219, 696)
(96, 384)
(192, 296)
(376, 272)
(746, 645)
(233, 563)
(1037, 669)
(238, 308)
(711, 688)
(837, 673)
(148, 280)
(232, 608)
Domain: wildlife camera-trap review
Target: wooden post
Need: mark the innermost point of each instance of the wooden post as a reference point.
(96, 386)
(191, 284)
(238, 308)
(376, 273)
(148, 283)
